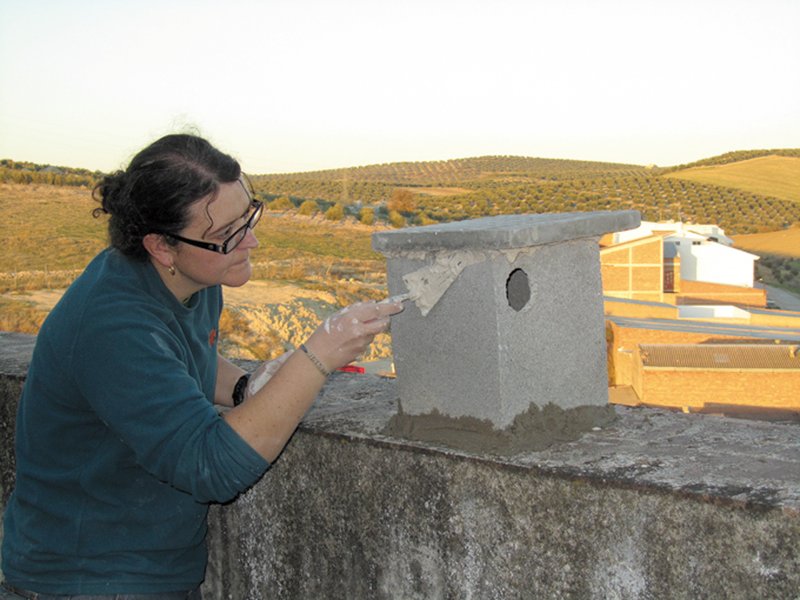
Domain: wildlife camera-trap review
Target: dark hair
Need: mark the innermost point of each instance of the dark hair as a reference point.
(156, 190)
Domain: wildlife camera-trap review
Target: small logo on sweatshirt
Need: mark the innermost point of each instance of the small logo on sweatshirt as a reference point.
(212, 337)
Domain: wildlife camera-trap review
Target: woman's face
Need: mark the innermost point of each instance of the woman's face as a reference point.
(214, 219)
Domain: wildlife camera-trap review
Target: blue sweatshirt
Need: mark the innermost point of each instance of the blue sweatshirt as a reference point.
(119, 448)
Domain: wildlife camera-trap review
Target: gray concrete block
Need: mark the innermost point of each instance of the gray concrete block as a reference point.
(519, 328)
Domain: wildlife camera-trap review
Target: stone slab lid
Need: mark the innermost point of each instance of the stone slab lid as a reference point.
(505, 231)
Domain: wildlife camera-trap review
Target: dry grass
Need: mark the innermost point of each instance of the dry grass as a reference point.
(780, 243)
(304, 269)
(20, 316)
(776, 176)
(780, 256)
(52, 228)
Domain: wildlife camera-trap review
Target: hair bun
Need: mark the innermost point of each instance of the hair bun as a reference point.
(110, 190)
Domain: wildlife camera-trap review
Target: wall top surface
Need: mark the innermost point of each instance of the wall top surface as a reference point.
(505, 231)
(713, 459)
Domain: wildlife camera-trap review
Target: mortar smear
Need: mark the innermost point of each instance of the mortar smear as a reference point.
(428, 284)
(531, 431)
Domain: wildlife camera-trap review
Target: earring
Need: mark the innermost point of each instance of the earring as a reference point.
(171, 270)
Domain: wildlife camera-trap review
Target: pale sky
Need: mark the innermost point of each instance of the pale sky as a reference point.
(299, 85)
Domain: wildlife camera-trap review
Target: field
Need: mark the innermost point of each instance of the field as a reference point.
(780, 252)
(776, 176)
(780, 243)
(315, 253)
(52, 228)
(304, 269)
(444, 191)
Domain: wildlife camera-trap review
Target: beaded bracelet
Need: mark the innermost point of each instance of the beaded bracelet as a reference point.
(317, 362)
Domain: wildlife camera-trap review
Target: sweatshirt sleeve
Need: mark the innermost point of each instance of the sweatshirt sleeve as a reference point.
(143, 381)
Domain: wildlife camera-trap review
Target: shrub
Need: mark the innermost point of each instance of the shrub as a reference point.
(335, 212)
(425, 219)
(308, 208)
(282, 203)
(402, 201)
(367, 215)
(396, 219)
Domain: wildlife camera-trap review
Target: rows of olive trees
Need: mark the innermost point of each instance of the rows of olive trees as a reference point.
(658, 198)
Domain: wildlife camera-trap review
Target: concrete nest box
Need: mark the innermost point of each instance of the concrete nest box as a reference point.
(505, 330)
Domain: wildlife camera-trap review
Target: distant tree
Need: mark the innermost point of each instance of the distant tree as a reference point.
(396, 219)
(308, 208)
(335, 212)
(367, 215)
(402, 201)
(282, 203)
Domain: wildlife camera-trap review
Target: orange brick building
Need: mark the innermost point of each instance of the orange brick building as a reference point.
(624, 335)
(701, 292)
(718, 377)
(638, 270)
(634, 269)
(649, 306)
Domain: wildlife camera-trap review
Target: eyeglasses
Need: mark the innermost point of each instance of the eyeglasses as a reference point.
(234, 239)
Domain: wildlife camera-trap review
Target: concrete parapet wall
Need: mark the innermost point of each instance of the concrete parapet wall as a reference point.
(656, 505)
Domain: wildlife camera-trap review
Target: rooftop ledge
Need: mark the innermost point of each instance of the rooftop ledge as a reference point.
(655, 504)
(711, 458)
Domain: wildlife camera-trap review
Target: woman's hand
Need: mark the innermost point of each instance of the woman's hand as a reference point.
(271, 413)
(347, 334)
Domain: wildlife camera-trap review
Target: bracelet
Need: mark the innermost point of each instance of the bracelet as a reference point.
(238, 389)
(317, 362)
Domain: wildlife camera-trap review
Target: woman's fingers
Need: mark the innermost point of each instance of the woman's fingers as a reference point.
(369, 311)
(348, 333)
(376, 326)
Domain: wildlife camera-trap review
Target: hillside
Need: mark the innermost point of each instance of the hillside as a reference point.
(27, 172)
(782, 243)
(780, 256)
(762, 200)
(319, 265)
(453, 171)
(737, 156)
(776, 176)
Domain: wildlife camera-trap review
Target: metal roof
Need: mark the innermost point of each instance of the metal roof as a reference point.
(720, 356)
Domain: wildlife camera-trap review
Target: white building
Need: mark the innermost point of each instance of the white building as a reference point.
(712, 233)
(706, 253)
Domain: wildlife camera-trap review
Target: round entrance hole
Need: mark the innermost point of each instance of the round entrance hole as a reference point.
(518, 289)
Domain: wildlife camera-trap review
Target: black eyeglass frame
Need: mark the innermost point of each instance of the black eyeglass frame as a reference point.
(224, 248)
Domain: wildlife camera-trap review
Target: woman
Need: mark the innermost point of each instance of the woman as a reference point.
(119, 446)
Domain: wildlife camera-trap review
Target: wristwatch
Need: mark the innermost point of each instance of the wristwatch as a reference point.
(238, 389)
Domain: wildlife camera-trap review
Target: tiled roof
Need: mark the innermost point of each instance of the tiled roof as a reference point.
(721, 356)
(709, 327)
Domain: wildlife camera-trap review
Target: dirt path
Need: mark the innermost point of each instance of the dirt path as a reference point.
(41, 299)
(258, 293)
